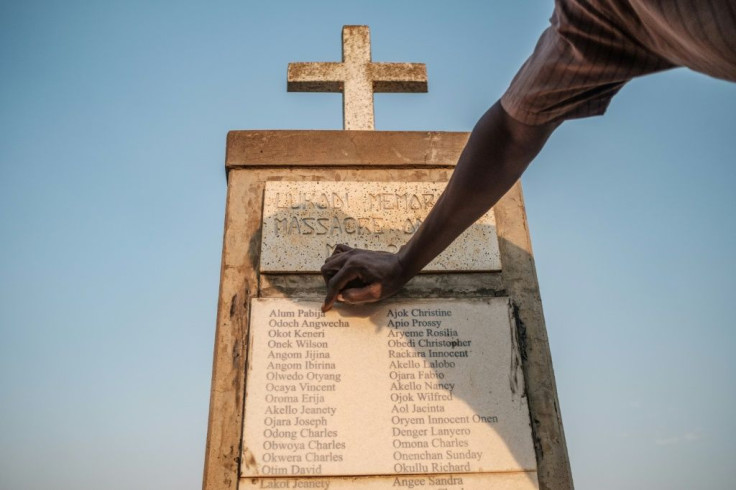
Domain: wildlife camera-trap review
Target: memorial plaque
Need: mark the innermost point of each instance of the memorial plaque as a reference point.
(405, 387)
(304, 221)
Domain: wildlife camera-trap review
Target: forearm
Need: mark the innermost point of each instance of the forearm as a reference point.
(497, 153)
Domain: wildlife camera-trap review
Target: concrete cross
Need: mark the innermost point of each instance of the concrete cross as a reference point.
(357, 77)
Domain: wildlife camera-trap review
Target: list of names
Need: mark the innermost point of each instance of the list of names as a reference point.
(407, 387)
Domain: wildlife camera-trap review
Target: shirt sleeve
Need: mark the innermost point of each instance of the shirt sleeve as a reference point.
(580, 62)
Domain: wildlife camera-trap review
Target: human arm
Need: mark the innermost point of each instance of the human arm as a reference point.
(497, 153)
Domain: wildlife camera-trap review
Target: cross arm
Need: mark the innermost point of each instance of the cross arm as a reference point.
(398, 77)
(315, 77)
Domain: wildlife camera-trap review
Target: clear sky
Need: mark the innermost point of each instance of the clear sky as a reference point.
(113, 118)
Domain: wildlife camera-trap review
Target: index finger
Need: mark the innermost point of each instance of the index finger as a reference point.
(338, 281)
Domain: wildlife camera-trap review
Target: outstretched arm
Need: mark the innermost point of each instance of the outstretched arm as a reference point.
(497, 153)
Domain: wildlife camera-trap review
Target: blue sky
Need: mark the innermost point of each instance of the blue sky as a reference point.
(113, 119)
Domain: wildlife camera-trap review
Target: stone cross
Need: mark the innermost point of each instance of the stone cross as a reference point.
(357, 77)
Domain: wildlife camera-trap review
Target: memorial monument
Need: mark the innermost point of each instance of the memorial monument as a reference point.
(448, 385)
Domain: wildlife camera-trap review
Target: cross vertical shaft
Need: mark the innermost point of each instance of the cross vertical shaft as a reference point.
(357, 99)
(357, 77)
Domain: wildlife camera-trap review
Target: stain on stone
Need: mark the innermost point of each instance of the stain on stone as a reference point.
(539, 449)
(515, 361)
(249, 460)
(520, 333)
(233, 305)
(236, 352)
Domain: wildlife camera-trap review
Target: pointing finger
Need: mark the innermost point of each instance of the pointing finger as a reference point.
(338, 281)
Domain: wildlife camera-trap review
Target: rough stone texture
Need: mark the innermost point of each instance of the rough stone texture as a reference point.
(311, 286)
(466, 285)
(357, 77)
(255, 157)
(325, 389)
(304, 221)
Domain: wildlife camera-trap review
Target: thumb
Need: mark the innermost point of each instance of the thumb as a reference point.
(366, 294)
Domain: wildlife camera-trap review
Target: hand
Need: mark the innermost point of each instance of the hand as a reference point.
(361, 276)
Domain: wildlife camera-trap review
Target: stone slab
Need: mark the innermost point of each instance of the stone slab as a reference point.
(304, 221)
(371, 150)
(478, 481)
(399, 388)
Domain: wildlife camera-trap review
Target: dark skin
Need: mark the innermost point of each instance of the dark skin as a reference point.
(498, 151)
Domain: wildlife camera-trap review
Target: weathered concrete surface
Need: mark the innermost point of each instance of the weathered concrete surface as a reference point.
(357, 77)
(304, 221)
(425, 386)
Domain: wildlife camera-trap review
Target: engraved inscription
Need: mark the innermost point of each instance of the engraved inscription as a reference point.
(303, 222)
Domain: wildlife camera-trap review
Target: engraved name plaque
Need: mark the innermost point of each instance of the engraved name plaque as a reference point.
(430, 388)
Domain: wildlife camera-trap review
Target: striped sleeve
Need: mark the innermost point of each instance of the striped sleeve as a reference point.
(580, 62)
